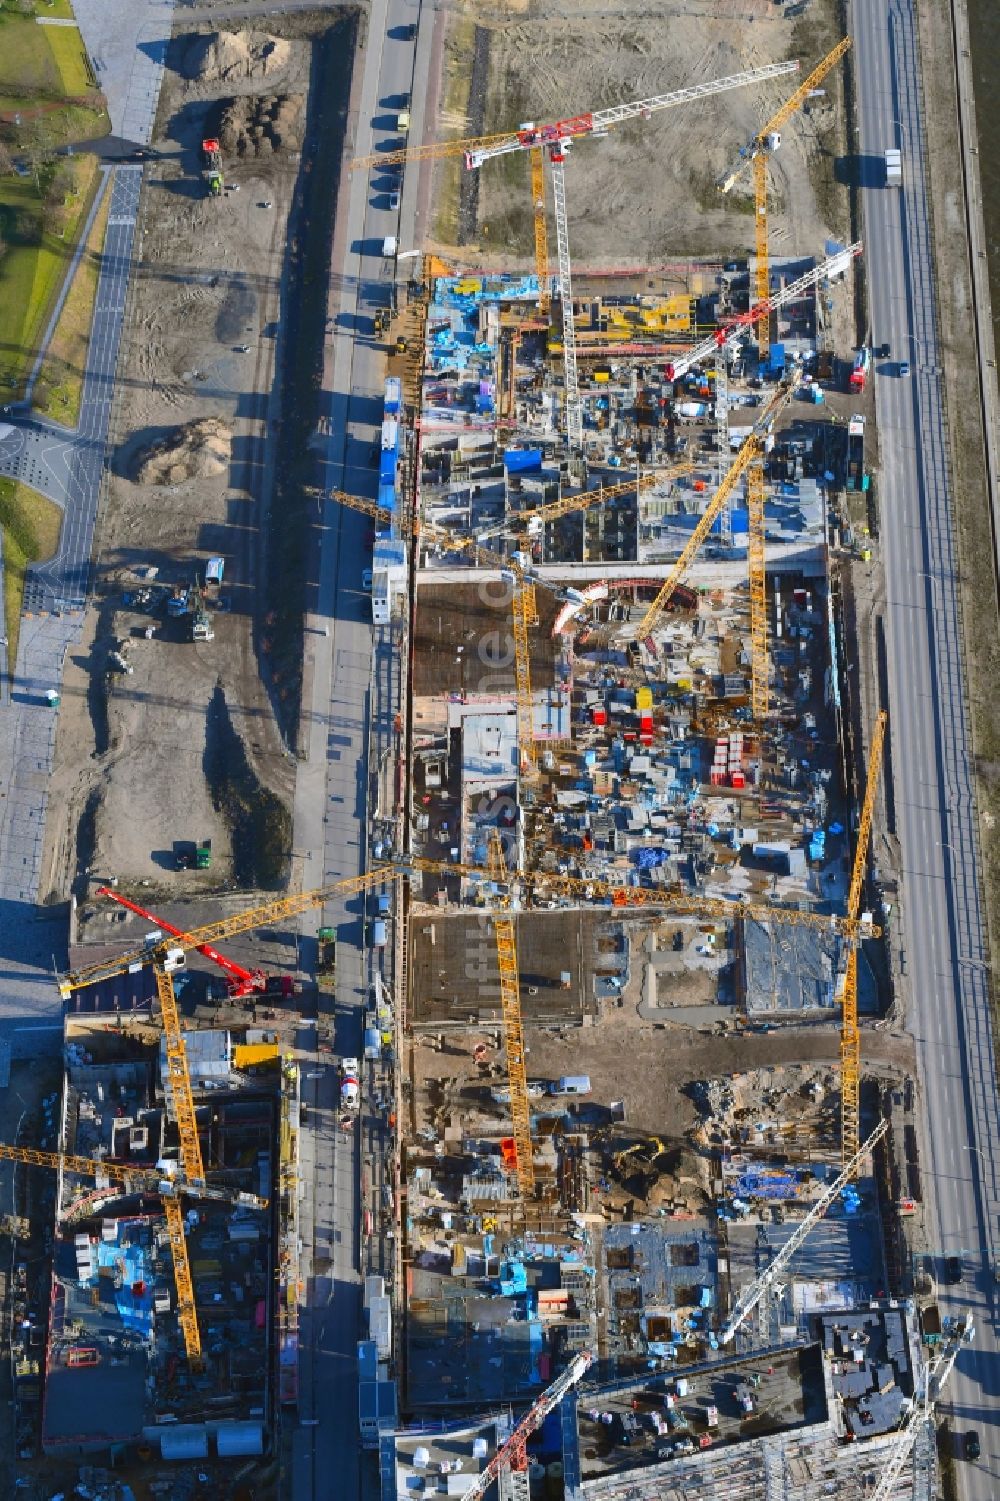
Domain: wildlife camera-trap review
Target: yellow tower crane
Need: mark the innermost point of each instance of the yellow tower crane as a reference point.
(513, 1029)
(760, 667)
(756, 154)
(850, 1033)
(524, 607)
(282, 909)
(534, 139)
(180, 1105)
(541, 232)
(169, 1189)
(750, 452)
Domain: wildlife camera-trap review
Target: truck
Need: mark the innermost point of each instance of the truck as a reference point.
(202, 628)
(893, 168)
(930, 1325)
(862, 367)
(327, 961)
(350, 1084)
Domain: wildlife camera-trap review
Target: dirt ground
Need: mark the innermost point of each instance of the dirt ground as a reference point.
(477, 619)
(650, 1067)
(186, 746)
(647, 192)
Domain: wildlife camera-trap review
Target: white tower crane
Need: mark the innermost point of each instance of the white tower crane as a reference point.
(556, 139)
(574, 403)
(513, 1455)
(958, 1332)
(751, 1296)
(728, 335)
(597, 121)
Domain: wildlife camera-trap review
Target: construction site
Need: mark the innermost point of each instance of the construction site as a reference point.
(641, 796)
(633, 1120)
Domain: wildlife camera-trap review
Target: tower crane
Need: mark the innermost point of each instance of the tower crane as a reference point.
(760, 667)
(147, 1179)
(729, 334)
(531, 137)
(597, 122)
(169, 1189)
(513, 1029)
(524, 610)
(566, 504)
(554, 139)
(543, 885)
(958, 1332)
(513, 1455)
(752, 1295)
(750, 452)
(850, 1032)
(541, 233)
(756, 154)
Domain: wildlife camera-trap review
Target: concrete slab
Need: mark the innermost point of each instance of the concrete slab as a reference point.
(127, 42)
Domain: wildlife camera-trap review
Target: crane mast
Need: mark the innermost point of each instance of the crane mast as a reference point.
(959, 1332)
(513, 1454)
(750, 452)
(541, 235)
(757, 564)
(729, 334)
(510, 1005)
(850, 1031)
(573, 401)
(752, 1295)
(757, 152)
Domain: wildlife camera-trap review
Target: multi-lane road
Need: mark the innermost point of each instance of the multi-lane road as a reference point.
(351, 687)
(943, 934)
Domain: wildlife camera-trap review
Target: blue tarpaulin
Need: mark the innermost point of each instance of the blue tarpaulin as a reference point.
(522, 460)
(649, 859)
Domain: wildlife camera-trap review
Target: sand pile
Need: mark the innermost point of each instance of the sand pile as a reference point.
(262, 125)
(231, 56)
(198, 450)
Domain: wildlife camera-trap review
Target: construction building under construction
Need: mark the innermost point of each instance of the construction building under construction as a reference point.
(117, 1368)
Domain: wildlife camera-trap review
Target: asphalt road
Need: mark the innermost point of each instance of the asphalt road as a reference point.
(351, 686)
(930, 738)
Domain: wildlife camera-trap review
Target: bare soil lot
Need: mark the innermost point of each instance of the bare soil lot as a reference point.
(189, 744)
(647, 192)
(650, 1068)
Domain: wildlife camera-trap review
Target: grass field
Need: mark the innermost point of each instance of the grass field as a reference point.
(33, 263)
(30, 526)
(60, 380)
(46, 81)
